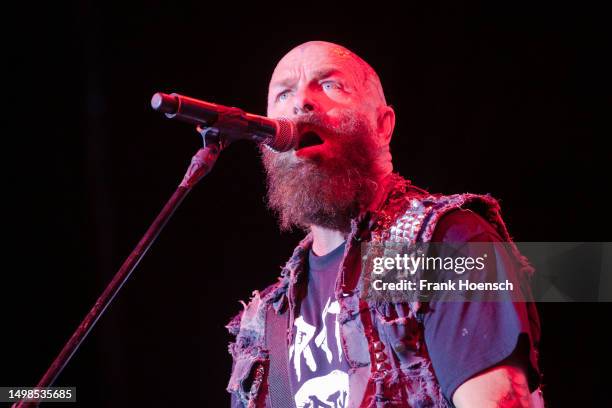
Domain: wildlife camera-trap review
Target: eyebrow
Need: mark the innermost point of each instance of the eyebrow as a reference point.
(326, 72)
(319, 74)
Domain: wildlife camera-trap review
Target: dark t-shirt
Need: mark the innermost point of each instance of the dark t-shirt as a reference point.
(318, 372)
(465, 338)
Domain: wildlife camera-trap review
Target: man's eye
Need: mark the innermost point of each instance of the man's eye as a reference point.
(282, 96)
(329, 85)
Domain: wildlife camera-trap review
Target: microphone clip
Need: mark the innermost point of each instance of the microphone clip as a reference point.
(211, 136)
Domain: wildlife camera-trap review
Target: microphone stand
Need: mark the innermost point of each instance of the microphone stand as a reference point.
(201, 164)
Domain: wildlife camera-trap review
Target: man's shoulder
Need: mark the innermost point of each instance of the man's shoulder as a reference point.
(421, 214)
(464, 200)
(464, 225)
(412, 198)
(252, 316)
(254, 309)
(465, 217)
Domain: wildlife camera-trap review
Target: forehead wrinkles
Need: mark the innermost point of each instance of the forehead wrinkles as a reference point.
(293, 66)
(322, 53)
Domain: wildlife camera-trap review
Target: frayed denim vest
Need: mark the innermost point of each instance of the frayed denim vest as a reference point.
(383, 343)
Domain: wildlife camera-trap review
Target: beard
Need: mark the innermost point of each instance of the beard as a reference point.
(328, 189)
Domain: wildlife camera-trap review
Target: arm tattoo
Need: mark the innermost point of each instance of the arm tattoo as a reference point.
(518, 394)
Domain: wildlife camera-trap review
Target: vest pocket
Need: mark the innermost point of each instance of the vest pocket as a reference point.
(401, 333)
(248, 371)
(353, 311)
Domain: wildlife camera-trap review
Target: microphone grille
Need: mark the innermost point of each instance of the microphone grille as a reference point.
(286, 136)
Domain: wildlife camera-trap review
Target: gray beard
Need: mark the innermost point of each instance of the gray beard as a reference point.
(325, 193)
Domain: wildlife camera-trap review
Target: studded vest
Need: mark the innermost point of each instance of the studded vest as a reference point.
(382, 342)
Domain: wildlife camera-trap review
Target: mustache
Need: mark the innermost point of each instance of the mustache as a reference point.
(313, 121)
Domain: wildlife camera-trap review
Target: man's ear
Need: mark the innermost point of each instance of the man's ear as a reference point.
(386, 124)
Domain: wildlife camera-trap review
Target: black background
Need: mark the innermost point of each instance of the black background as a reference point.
(501, 99)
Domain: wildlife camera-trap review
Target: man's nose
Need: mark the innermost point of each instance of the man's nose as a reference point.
(304, 103)
(302, 109)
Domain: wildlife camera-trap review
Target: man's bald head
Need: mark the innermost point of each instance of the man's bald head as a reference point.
(323, 52)
(369, 76)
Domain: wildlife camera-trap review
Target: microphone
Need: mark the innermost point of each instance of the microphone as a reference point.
(234, 124)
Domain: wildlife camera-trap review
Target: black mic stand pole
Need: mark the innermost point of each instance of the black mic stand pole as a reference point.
(201, 164)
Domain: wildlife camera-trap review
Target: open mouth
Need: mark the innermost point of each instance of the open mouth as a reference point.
(309, 139)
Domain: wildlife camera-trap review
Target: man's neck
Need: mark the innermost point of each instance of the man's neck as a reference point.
(382, 191)
(325, 240)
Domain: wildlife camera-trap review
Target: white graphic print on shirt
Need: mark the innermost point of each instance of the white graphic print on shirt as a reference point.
(323, 383)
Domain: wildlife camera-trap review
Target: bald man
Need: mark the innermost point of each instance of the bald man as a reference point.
(310, 340)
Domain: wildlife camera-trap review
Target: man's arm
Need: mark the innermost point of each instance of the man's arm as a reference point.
(490, 364)
(501, 386)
